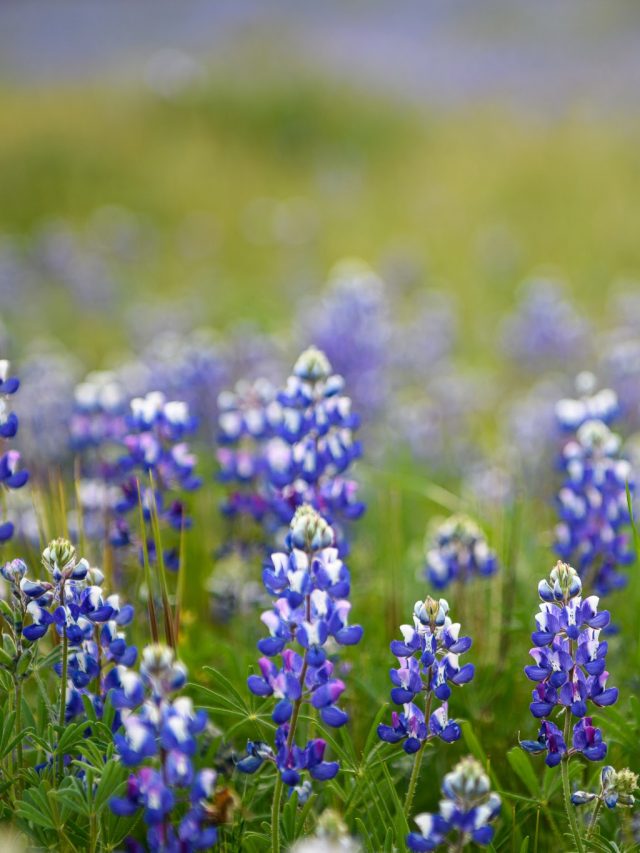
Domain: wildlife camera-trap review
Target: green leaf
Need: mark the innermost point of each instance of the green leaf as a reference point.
(34, 815)
(522, 767)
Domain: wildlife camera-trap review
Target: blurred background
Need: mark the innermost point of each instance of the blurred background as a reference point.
(442, 195)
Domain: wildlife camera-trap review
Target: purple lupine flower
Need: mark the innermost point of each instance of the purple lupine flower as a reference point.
(160, 738)
(569, 668)
(75, 606)
(428, 654)
(247, 420)
(458, 551)
(592, 502)
(12, 475)
(279, 451)
(466, 813)
(156, 446)
(350, 324)
(544, 329)
(317, 426)
(97, 428)
(310, 585)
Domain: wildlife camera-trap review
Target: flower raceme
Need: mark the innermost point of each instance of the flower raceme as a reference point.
(467, 810)
(569, 667)
(156, 445)
(12, 476)
(309, 619)
(73, 603)
(458, 551)
(281, 450)
(428, 655)
(160, 739)
(592, 502)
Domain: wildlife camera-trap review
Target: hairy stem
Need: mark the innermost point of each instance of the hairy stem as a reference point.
(63, 691)
(569, 807)
(594, 819)
(275, 814)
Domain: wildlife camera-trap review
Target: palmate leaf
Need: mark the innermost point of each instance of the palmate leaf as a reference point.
(36, 807)
(9, 738)
(228, 687)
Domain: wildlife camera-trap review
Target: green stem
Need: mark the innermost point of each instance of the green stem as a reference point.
(275, 815)
(63, 692)
(569, 807)
(594, 819)
(417, 763)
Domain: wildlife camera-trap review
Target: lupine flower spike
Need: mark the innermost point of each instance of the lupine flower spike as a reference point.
(310, 617)
(159, 458)
(12, 476)
(458, 551)
(592, 531)
(161, 739)
(467, 810)
(569, 672)
(429, 665)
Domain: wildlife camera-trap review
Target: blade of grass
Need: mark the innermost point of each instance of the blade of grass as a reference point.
(147, 570)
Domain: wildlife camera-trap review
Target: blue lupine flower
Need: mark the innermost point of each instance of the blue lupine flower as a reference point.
(74, 603)
(310, 584)
(428, 655)
(550, 740)
(569, 666)
(351, 324)
(163, 730)
(156, 445)
(592, 502)
(466, 813)
(458, 551)
(97, 429)
(278, 451)
(545, 328)
(12, 476)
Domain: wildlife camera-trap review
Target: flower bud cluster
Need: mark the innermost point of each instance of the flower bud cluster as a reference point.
(617, 788)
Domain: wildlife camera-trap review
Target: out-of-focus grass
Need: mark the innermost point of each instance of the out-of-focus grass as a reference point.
(477, 200)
